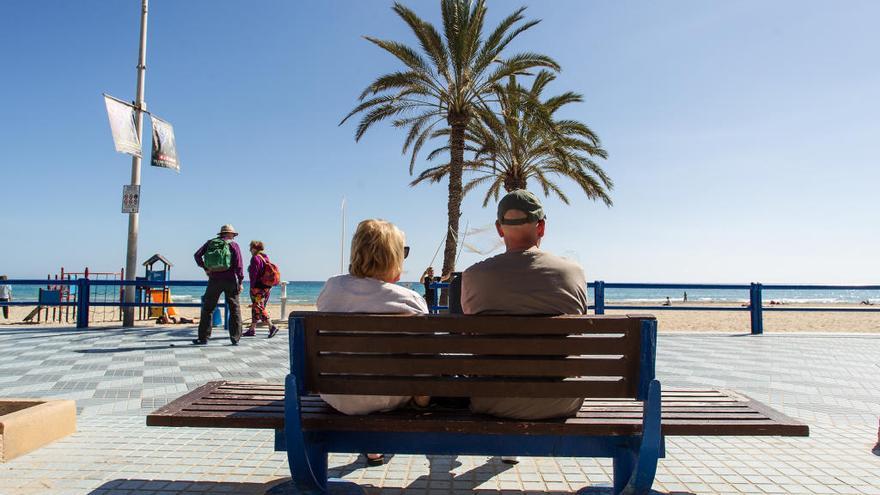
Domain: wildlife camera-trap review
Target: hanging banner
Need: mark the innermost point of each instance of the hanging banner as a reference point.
(164, 147)
(122, 125)
(131, 199)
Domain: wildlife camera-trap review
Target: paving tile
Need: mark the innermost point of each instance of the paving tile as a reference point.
(116, 376)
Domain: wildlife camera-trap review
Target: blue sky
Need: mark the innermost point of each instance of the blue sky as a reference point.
(742, 135)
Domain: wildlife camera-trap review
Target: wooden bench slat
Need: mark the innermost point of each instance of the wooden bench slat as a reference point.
(234, 407)
(480, 345)
(408, 365)
(495, 325)
(238, 397)
(475, 386)
(318, 415)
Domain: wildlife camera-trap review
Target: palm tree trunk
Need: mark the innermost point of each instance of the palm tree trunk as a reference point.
(457, 124)
(512, 183)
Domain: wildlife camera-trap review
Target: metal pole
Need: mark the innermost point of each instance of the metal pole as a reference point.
(131, 251)
(283, 299)
(599, 297)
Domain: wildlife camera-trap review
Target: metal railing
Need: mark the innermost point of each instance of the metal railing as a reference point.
(755, 305)
(83, 303)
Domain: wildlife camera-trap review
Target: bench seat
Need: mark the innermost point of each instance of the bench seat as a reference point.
(685, 412)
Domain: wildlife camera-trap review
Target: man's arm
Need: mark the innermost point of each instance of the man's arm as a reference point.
(236, 262)
(466, 307)
(200, 254)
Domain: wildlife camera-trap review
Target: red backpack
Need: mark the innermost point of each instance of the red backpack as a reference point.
(271, 276)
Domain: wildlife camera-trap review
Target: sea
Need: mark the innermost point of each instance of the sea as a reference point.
(306, 293)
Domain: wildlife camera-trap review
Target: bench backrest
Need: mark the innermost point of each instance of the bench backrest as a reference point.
(460, 356)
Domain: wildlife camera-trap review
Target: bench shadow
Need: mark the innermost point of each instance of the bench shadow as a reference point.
(439, 470)
(145, 487)
(113, 350)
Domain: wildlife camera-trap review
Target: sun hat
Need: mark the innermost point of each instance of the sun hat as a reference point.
(521, 200)
(227, 229)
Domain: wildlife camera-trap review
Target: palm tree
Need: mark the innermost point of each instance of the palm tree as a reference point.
(447, 84)
(525, 141)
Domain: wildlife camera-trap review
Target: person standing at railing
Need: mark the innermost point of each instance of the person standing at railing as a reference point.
(5, 296)
(221, 259)
(263, 275)
(427, 280)
(876, 449)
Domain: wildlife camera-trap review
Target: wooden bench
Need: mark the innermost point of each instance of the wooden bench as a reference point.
(608, 359)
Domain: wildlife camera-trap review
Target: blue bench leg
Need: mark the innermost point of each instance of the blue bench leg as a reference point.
(305, 455)
(642, 465)
(624, 464)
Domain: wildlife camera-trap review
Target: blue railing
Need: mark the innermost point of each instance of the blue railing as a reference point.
(82, 288)
(435, 306)
(755, 306)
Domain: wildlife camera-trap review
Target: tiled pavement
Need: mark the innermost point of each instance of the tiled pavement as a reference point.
(116, 376)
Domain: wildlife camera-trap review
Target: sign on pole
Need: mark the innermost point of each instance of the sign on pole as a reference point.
(122, 124)
(164, 147)
(131, 198)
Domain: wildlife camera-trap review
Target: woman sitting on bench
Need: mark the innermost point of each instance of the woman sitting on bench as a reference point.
(377, 253)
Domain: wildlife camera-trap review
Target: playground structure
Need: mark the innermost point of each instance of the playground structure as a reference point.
(61, 298)
(153, 294)
(59, 301)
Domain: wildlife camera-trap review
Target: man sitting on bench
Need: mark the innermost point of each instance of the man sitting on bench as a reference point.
(524, 281)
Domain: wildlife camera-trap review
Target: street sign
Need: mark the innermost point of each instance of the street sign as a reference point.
(131, 199)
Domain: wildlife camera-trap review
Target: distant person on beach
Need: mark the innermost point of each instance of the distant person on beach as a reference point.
(524, 281)
(221, 259)
(377, 254)
(5, 295)
(684, 298)
(427, 280)
(263, 276)
(876, 449)
(668, 302)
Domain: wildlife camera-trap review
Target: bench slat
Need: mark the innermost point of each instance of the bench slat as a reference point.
(703, 418)
(486, 345)
(474, 386)
(494, 325)
(408, 365)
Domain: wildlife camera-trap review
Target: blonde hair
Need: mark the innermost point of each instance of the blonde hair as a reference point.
(376, 250)
(258, 245)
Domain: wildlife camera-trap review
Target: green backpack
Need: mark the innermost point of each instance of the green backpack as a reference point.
(218, 256)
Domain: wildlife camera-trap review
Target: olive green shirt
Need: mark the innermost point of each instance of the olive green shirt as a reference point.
(531, 282)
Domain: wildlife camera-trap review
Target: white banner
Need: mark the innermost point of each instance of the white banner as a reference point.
(164, 146)
(122, 125)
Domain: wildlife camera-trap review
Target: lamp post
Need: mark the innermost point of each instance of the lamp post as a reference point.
(140, 107)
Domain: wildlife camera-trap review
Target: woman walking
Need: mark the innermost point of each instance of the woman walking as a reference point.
(257, 271)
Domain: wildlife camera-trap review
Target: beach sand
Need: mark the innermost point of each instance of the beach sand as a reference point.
(668, 320)
(774, 321)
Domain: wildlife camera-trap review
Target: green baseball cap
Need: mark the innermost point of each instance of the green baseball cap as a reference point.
(521, 200)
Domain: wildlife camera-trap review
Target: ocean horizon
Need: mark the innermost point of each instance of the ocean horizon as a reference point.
(306, 293)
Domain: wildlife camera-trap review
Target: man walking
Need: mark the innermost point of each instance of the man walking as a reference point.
(524, 281)
(221, 259)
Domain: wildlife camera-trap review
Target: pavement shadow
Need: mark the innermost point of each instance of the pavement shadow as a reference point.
(440, 469)
(145, 487)
(113, 350)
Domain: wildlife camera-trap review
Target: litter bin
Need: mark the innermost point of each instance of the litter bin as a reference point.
(216, 317)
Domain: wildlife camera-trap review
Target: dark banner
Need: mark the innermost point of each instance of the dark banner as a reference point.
(164, 147)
